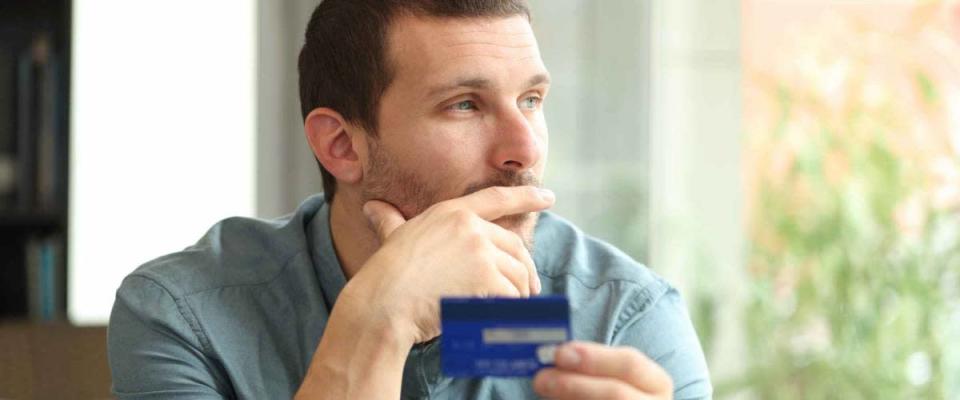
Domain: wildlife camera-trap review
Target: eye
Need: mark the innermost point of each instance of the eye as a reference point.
(531, 102)
(466, 105)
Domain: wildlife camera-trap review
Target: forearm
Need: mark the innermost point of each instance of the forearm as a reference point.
(356, 358)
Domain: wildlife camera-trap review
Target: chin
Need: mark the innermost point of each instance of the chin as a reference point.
(521, 224)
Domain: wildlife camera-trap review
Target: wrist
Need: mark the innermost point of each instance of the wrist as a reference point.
(371, 307)
(359, 355)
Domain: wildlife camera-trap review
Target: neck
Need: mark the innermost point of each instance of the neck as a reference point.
(353, 240)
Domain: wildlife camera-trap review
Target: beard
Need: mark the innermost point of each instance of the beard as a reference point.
(412, 194)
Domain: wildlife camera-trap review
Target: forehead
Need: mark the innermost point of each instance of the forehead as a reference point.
(427, 50)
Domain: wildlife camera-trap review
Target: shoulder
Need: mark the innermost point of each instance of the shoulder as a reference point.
(563, 249)
(607, 288)
(235, 251)
(618, 301)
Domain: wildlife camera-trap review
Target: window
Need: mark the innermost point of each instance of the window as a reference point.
(597, 114)
(852, 114)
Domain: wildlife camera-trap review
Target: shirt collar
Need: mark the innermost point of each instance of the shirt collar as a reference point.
(329, 273)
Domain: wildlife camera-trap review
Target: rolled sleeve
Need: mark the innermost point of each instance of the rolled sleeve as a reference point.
(664, 333)
(153, 349)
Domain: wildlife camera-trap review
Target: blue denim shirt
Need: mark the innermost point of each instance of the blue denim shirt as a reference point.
(240, 313)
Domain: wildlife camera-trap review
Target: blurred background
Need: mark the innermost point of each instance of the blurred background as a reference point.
(792, 166)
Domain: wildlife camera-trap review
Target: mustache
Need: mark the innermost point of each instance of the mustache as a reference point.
(505, 178)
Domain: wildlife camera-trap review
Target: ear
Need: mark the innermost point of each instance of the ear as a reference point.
(330, 139)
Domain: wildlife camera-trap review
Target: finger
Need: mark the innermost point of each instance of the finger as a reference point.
(515, 272)
(504, 287)
(383, 217)
(562, 385)
(500, 201)
(511, 243)
(626, 364)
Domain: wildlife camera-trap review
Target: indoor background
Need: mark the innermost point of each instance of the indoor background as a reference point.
(792, 166)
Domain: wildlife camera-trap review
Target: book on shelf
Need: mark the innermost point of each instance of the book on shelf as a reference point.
(45, 269)
(8, 181)
(34, 73)
(40, 141)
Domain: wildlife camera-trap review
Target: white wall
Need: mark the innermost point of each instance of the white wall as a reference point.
(287, 172)
(162, 134)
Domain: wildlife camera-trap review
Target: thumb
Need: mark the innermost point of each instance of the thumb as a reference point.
(384, 218)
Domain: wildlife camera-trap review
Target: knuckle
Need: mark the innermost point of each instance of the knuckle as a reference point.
(490, 268)
(521, 269)
(462, 218)
(485, 268)
(517, 242)
(476, 244)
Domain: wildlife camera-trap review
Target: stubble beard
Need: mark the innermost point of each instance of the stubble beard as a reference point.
(412, 194)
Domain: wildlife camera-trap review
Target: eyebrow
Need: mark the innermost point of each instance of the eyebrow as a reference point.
(482, 83)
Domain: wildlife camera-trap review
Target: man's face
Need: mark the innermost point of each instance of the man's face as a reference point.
(462, 113)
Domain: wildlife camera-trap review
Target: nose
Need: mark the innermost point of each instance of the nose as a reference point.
(517, 145)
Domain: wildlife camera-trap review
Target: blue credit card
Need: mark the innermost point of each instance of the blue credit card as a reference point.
(505, 337)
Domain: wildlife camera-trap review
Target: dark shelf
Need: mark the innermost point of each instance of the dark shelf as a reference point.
(30, 221)
(34, 121)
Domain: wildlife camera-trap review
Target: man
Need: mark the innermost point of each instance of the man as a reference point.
(426, 117)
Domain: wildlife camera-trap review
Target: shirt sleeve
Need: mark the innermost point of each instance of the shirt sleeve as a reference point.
(664, 333)
(154, 350)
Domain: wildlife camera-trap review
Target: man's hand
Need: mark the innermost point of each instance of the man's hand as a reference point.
(451, 249)
(593, 371)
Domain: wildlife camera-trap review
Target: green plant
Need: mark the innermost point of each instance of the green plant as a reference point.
(854, 188)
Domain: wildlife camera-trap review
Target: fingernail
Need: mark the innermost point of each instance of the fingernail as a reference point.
(367, 212)
(537, 285)
(546, 194)
(568, 357)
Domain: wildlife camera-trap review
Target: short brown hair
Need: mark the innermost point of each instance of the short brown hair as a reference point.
(343, 63)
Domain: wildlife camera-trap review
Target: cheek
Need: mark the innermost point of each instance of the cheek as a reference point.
(450, 152)
(448, 166)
